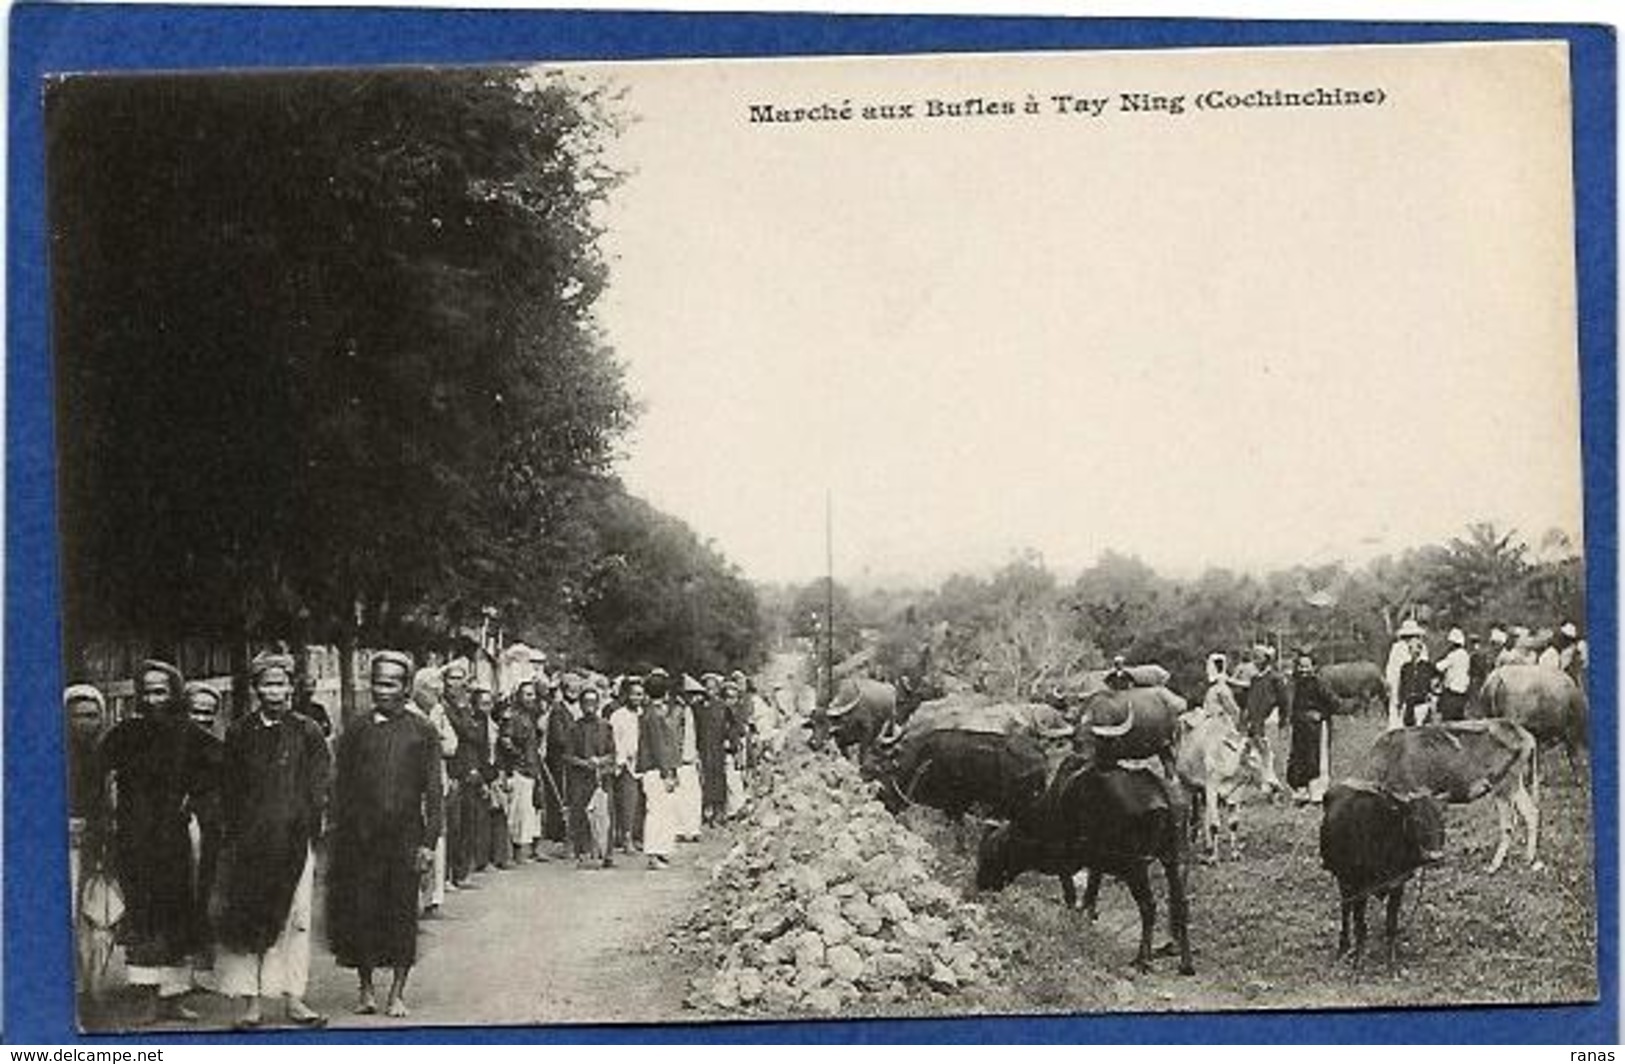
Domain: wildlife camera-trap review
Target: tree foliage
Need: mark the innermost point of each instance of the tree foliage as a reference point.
(324, 341)
(1021, 628)
(658, 595)
(327, 361)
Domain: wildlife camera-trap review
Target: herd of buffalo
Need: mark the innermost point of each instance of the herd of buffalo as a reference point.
(1110, 781)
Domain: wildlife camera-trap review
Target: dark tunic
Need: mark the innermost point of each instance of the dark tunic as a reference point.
(164, 771)
(1415, 685)
(590, 737)
(1267, 694)
(1311, 704)
(84, 774)
(273, 788)
(713, 739)
(660, 738)
(520, 750)
(559, 724)
(386, 804)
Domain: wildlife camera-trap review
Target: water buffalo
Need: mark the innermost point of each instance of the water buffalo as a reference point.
(957, 771)
(1373, 841)
(1129, 725)
(1355, 684)
(857, 713)
(1111, 820)
(1215, 761)
(1460, 762)
(1545, 702)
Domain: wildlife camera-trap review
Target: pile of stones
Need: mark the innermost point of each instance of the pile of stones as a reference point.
(826, 902)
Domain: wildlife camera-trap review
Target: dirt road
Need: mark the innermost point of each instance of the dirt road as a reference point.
(541, 943)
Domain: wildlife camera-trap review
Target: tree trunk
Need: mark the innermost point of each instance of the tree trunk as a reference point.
(347, 689)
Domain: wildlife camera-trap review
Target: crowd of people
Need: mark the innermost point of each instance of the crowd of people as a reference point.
(197, 844)
(1420, 690)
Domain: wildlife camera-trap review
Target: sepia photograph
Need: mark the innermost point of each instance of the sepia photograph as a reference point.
(991, 533)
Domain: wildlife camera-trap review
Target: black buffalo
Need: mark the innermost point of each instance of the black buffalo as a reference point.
(1113, 821)
(999, 775)
(1373, 841)
(859, 711)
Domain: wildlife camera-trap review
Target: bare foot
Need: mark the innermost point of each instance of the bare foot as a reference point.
(367, 1005)
(302, 1014)
(173, 1009)
(397, 1008)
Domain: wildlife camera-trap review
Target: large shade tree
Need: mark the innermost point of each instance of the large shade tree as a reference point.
(326, 357)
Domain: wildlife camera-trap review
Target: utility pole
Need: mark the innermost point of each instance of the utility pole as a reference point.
(829, 597)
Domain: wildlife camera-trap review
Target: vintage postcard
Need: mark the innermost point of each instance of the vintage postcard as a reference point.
(1061, 532)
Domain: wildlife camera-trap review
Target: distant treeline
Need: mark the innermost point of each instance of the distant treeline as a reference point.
(1021, 626)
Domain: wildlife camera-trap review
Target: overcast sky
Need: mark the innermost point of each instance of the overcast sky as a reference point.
(1250, 338)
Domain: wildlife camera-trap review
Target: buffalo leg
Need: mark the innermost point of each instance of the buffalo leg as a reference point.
(1179, 914)
(1346, 912)
(1139, 885)
(1091, 893)
(1211, 818)
(1069, 890)
(1391, 931)
(1524, 803)
(1503, 813)
(1359, 931)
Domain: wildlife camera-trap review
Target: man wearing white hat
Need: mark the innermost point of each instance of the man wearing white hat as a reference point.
(1416, 677)
(1403, 651)
(1455, 677)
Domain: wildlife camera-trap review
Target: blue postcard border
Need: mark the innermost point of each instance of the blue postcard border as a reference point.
(58, 38)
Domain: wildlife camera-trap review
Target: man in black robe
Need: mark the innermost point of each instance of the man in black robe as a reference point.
(1312, 707)
(386, 815)
(589, 761)
(711, 738)
(563, 712)
(462, 772)
(273, 789)
(159, 771)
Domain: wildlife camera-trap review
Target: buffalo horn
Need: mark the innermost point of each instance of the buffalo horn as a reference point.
(1114, 731)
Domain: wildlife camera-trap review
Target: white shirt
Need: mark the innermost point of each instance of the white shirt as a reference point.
(1454, 667)
(624, 724)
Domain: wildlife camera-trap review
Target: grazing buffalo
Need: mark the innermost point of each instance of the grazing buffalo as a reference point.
(859, 711)
(1112, 821)
(1356, 685)
(1215, 761)
(957, 771)
(1545, 702)
(1130, 725)
(1373, 841)
(1460, 762)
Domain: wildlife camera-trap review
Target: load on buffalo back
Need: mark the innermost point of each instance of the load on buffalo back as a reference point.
(1373, 841)
(1111, 820)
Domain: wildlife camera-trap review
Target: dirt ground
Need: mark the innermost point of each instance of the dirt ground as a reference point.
(1264, 927)
(550, 943)
(541, 943)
